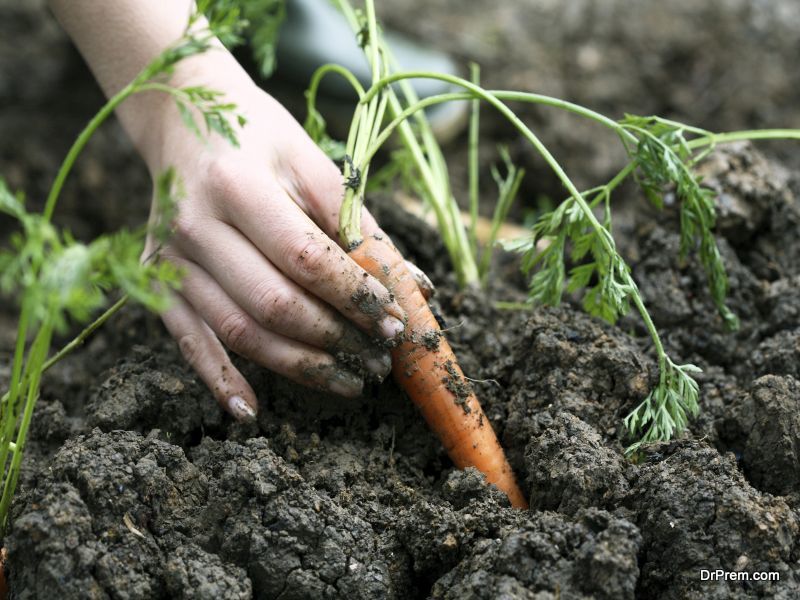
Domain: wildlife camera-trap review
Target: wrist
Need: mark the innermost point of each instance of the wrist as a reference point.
(152, 119)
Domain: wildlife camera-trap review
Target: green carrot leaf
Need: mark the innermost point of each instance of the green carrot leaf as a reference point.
(665, 163)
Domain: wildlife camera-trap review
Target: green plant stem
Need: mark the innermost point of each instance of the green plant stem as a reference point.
(508, 192)
(525, 131)
(362, 129)
(80, 143)
(425, 155)
(605, 237)
(88, 330)
(474, 167)
(744, 135)
(9, 400)
(651, 329)
(399, 122)
(36, 358)
(79, 339)
(372, 25)
(402, 116)
(454, 233)
(320, 73)
(450, 226)
(508, 95)
(621, 176)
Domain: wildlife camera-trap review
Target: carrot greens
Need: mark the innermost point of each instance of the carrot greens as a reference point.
(571, 248)
(59, 281)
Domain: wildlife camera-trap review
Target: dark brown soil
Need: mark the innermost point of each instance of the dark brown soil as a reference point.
(719, 64)
(136, 485)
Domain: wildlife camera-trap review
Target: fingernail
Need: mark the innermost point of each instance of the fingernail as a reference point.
(391, 327)
(379, 365)
(346, 384)
(424, 282)
(241, 409)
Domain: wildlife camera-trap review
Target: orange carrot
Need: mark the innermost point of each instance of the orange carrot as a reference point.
(424, 365)
(3, 582)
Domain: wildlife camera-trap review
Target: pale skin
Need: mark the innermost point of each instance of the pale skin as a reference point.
(256, 234)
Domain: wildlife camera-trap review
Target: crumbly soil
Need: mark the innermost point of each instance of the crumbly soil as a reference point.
(136, 485)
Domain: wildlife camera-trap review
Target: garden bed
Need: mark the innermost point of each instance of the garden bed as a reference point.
(136, 485)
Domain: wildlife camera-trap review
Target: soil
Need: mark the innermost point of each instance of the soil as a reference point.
(136, 485)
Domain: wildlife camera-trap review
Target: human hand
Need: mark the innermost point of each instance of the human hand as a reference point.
(255, 237)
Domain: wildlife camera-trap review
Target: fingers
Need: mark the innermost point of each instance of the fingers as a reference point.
(319, 190)
(277, 306)
(293, 243)
(203, 351)
(296, 360)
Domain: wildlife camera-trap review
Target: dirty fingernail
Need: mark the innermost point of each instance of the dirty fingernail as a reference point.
(378, 364)
(346, 384)
(391, 327)
(241, 409)
(424, 283)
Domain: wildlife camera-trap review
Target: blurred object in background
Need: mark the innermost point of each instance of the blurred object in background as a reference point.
(721, 64)
(315, 33)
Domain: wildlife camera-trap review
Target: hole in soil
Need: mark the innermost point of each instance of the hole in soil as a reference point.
(196, 436)
(425, 587)
(435, 468)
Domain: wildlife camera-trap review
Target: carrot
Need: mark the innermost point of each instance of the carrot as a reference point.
(3, 582)
(424, 365)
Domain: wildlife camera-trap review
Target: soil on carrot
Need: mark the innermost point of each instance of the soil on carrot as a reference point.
(136, 485)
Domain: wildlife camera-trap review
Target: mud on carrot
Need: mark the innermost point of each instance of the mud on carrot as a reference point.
(428, 371)
(430, 375)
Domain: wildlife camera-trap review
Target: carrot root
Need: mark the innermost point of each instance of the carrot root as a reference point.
(424, 365)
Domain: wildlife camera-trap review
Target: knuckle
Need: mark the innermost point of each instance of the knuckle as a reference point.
(320, 185)
(191, 348)
(170, 254)
(273, 302)
(186, 227)
(234, 330)
(310, 259)
(224, 178)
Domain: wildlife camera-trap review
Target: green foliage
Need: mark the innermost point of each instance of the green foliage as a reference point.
(666, 409)
(597, 268)
(317, 129)
(264, 19)
(507, 188)
(63, 280)
(664, 161)
(214, 111)
(59, 281)
(223, 22)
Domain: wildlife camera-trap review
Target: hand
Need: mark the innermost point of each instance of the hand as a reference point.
(256, 238)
